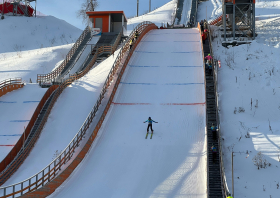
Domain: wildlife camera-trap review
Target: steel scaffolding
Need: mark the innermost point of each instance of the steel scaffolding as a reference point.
(241, 18)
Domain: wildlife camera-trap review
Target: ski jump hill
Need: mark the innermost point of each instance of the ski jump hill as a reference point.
(162, 77)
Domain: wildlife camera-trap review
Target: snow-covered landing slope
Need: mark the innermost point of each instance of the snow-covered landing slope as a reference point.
(165, 80)
(67, 116)
(16, 109)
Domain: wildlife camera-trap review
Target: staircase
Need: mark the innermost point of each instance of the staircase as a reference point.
(76, 55)
(214, 175)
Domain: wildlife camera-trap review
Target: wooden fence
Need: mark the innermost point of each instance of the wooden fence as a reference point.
(10, 85)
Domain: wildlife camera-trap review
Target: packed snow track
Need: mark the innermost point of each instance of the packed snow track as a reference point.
(164, 80)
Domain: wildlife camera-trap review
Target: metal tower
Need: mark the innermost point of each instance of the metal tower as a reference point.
(20, 5)
(239, 18)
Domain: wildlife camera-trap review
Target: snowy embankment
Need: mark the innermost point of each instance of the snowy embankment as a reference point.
(65, 120)
(248, 85)
(17, 108)
(164, 79)
(160, 16)
(31, 46)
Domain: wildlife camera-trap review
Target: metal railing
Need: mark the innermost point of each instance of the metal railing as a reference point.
(52, 75)
(51, 171)
(222, 169)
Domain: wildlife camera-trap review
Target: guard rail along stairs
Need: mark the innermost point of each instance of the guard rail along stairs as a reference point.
(193, 14)
(10, 85)
(19, 153)
(217, 184)
(52, 176)
(41, 78)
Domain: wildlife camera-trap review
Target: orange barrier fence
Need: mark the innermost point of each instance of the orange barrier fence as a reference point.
(10, 85)
(20, 143)
(45, 182)
(59, 69)
(217, 20)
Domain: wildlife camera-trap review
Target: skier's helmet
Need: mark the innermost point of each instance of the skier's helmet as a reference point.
(208, 54)
(150, 118)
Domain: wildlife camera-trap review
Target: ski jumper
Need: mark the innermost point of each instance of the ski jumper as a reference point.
(150, 124)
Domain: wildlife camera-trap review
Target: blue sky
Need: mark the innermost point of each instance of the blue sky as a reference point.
(66, 9)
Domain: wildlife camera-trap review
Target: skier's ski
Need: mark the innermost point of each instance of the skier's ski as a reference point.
(147, 136)
(152, 135)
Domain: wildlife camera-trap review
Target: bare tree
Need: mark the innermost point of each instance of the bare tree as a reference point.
(87, 6)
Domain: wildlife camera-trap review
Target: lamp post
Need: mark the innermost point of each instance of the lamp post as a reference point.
(232, 174)
(137, 7)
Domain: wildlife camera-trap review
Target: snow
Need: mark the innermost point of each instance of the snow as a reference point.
(85, 53)
(65, 120)
(35, 33)
(170, 81)
(41, 45)
(122, 163)
(17, 108)
(248, 85)
(160, 16)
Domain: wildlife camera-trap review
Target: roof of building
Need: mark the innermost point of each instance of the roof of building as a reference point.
(115, 15)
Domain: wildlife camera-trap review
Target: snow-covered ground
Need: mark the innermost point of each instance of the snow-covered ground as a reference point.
(166, 83)
(17, 108)
(161, 16)
(65, 120)
(248, 85)
(31, 46)
(248, 95)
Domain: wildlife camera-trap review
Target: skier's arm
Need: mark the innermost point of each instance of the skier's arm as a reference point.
(154, 121)
(145, 121)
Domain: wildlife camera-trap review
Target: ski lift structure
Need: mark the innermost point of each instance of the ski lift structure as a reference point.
(238, 20)
(18, 7)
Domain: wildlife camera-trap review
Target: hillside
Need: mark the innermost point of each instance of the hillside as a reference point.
(27, 33)
(30, 46)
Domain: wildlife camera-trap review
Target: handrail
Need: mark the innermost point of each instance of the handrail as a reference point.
(51, 171)
(193, 14)
(226, 191)
(48, 77)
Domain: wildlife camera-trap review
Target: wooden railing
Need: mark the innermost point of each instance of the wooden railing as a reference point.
(222, 168)
(51, 176)
(10, 85)
(109, 48)
(50, 76)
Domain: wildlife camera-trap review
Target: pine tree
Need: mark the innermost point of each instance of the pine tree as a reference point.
(87, 6)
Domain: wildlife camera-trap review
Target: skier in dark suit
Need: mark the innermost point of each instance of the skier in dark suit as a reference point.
(150, 121)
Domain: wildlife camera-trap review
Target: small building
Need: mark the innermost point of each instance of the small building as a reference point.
(108, 21)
